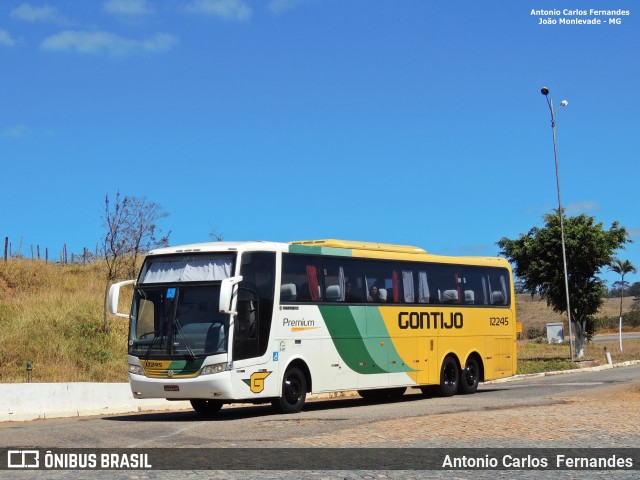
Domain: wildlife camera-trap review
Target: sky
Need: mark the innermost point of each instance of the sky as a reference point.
(416, 122)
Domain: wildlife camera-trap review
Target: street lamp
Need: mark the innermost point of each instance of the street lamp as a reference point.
(564, 103)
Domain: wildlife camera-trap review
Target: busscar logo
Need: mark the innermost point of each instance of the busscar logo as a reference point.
(23, 459)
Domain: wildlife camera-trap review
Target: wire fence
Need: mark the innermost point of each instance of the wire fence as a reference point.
(37, 253)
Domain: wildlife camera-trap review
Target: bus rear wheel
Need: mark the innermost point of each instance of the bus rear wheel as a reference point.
(449, 377)
(206, 407)
(469, 377)
(294, 392)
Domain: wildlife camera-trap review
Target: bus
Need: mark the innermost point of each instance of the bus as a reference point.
(260, 322)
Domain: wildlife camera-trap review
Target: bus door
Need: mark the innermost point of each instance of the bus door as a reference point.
(253, 371)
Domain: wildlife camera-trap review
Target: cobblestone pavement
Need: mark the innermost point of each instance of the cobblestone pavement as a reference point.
(600, 419)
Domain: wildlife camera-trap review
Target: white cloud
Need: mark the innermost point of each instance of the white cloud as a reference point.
(583, 206)
(45, 13)
(128, 7)
(634, 232)
(280, 6)
(106, 42)
(16, 131)
(226, 9)
(5, 39)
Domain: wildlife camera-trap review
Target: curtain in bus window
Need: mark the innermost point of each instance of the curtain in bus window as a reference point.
(485, 300)
(342, 284)
(407, 285)
(458, 285)
(188, 271)
(312, 278)
(423, 288)
(503, 284)
(396, 289)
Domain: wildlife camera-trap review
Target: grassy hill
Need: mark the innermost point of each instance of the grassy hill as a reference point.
(51, 315)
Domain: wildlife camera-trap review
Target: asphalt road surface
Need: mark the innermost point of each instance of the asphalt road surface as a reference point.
(579, 410)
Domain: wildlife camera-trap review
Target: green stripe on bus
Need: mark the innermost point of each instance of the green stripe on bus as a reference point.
(317, 250)
(185, 367)
(347, 326)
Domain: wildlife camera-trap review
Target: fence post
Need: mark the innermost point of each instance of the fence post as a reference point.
(6, 247)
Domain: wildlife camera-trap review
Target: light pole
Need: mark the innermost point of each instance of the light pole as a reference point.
(564, 103)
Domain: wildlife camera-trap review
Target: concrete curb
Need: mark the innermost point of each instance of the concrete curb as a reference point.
(32, 401)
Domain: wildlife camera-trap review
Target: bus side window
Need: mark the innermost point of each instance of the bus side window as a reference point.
(449, 280)
(499, 288)
(300, 279)
(342, 278)
(475, 285)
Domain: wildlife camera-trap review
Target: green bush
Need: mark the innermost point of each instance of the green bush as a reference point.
(535, 332)
(630, 319)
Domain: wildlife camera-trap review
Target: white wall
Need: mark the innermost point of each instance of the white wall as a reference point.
(29, 401)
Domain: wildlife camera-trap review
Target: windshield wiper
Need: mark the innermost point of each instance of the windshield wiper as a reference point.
(189, 355)
(150, 347)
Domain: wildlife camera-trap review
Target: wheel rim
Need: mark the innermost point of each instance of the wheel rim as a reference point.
(292, 389)
(471, 374)
(450, 375)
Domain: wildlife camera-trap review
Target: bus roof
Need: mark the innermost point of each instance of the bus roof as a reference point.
(349, 248)
(356, 245)
(219, 247)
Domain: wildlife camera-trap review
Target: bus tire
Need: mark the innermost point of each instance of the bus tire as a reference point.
(294, 392)
(469, 377)
(449, 377)
(205, 406)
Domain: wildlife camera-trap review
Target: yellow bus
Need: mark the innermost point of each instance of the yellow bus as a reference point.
(260, 322)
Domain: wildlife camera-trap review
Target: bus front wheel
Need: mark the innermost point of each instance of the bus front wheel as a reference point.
(449, 377)
(206, 407)
(294, 392)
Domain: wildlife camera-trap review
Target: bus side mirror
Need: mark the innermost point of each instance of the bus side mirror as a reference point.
(227, 294)
(114, 296)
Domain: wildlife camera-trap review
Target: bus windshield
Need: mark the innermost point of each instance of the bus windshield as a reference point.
(177, 321)
(175, 311)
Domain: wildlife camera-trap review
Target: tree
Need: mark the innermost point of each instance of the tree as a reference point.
(622, 267)
(634, 289)
(537, 257)
(130, 230)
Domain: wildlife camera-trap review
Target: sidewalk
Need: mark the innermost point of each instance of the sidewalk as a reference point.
(32, 401)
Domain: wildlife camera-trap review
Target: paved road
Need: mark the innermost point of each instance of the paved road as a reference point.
(615, 337)
(589, 409)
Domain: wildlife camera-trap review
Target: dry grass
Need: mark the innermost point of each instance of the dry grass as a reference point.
(51, 315)
(534, 357)
(534, 313)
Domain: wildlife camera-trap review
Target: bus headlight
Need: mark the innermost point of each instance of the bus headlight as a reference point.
(136, 369)
(217, 368)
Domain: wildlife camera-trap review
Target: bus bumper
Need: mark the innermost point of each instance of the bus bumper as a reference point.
(215, 386)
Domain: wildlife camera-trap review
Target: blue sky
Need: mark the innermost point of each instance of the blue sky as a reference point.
(416, 122)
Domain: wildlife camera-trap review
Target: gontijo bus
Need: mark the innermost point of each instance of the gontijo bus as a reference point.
(260, 322)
